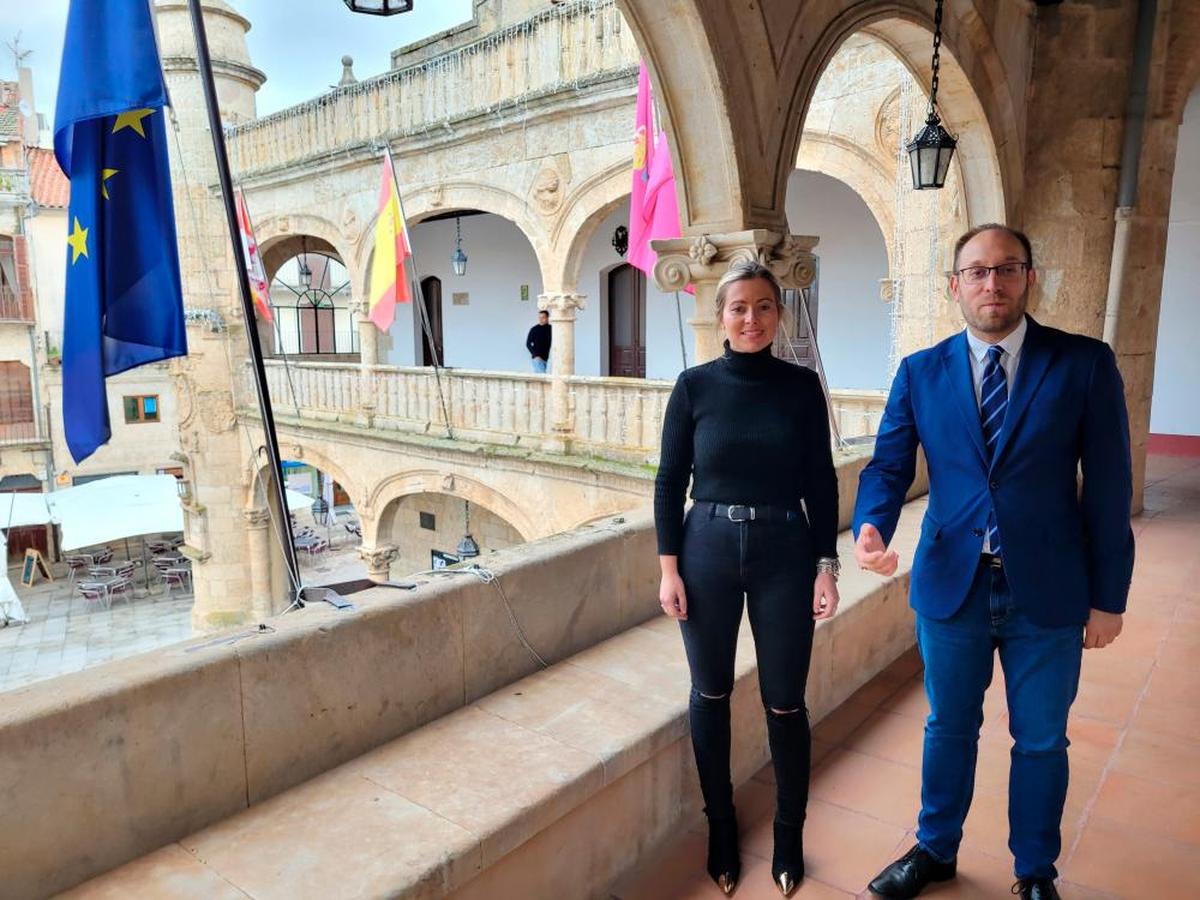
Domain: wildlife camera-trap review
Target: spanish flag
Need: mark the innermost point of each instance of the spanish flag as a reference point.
(389, 279)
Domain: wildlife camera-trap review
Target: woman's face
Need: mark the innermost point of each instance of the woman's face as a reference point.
(750, 315)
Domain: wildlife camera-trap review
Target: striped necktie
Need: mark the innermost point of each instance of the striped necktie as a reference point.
(992, 406)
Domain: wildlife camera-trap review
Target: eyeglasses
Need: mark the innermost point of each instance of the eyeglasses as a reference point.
(1004, 271)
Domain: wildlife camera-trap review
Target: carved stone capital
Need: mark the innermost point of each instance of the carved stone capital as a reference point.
(378, 559)
(562, 307)
(357, 307)
(683, 261)
(257, 517)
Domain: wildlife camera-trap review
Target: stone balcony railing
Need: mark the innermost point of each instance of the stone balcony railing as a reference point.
(614, 418)
(563, 47)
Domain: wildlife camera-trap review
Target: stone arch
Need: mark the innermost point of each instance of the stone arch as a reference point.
(582, 214)
(429, 481)
(448, 196)
(303, 451)
(860, 171)
(973, 96)
(280, 237)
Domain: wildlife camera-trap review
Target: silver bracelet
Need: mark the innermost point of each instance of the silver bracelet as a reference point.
(829, 565)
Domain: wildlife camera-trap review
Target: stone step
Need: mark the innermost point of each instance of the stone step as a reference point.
(549, 787)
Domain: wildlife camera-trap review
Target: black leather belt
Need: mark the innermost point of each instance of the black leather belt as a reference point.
(990, 559)
(737, 512)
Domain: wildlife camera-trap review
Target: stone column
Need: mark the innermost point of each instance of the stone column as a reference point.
(259, 544)
(368, 350)
(701, 261)
(562, 308)
(379, 561)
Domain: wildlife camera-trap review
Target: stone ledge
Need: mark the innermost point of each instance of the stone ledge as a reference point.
(549, 787)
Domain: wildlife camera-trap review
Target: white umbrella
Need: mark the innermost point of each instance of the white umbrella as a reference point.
(23, 509)
(118, 507)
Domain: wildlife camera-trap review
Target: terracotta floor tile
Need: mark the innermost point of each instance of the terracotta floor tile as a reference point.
(1091, 741)
(1158, 757)
(909, 700)
(1132, 863)
(878, 689)
(883, 790)
(1151, 806)
(834, 728)
(1104, 702)
(1117, 671)
(842, 848)
(890, 736)
(678, 872)
(1175, 687)
(1167, 720)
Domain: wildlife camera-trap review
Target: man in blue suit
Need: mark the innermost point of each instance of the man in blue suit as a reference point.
(1015, 555)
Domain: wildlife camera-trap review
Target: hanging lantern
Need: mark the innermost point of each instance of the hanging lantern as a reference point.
(458, 259)
(380, 7)
(620, 240)
(467, 548)
(930, 151)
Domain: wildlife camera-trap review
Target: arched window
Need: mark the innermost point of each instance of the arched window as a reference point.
(309, 299)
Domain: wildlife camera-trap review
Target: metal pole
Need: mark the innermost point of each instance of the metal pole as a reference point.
(204, 63)
(418, 295)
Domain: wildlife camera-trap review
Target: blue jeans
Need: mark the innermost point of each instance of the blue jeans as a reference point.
(539, 365)
(1041, 674)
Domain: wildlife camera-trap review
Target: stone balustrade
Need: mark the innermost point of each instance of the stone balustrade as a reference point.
(614, 418)
(560, 48)
(858, 412)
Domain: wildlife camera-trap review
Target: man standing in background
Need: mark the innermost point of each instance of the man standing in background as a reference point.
(538, 342)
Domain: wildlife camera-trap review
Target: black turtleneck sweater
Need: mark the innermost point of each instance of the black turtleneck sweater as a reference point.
(751, 429)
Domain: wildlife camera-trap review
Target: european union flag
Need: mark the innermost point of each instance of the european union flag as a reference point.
(124, 304)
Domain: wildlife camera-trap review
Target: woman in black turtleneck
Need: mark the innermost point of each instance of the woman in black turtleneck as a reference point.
(752, 433)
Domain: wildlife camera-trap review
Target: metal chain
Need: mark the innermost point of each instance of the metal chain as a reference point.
(937, 57)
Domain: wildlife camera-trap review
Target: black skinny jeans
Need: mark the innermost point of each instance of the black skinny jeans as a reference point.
(772, 564)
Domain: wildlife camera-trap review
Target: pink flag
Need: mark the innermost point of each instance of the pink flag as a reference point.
(653, 208)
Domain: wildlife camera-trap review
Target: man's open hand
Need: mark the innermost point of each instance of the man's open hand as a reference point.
(871, 554)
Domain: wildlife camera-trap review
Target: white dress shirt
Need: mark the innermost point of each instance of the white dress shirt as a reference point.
(1008, 361)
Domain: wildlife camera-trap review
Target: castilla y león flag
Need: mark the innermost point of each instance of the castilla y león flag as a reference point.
(653, 208)
(389, 279)
(259, 289)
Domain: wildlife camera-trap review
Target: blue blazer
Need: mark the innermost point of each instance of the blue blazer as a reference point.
(1067, 548)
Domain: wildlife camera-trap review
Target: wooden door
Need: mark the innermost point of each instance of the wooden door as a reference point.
(431, 294)
(626, 322)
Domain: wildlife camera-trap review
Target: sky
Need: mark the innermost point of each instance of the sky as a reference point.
(297, 43)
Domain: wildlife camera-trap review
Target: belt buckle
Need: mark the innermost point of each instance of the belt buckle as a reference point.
(730, 509)
(993, 560)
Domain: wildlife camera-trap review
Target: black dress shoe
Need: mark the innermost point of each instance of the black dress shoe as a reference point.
(1036, 889)
(910, 874)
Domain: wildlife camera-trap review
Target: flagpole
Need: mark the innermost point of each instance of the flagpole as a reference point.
(414, 287)
(204, 63)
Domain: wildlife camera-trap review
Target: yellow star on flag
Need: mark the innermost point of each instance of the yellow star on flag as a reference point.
(132, 119)
(78, 241)
(106, 174)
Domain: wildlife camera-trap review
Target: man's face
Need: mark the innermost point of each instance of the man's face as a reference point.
(993, 304)
(543, 318)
